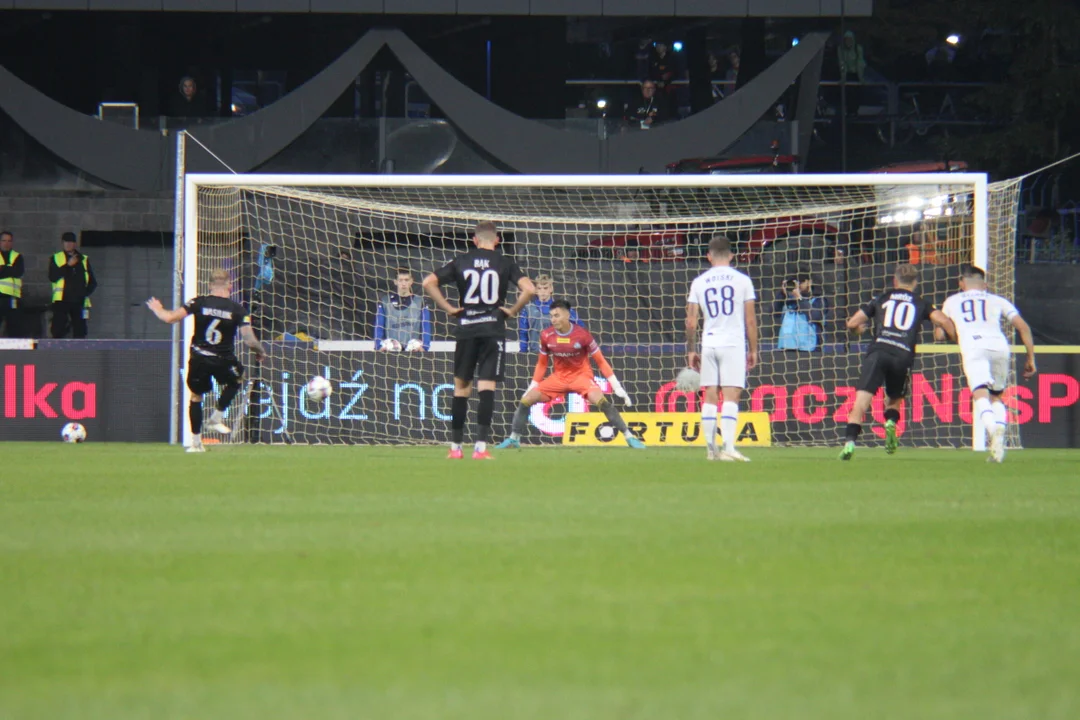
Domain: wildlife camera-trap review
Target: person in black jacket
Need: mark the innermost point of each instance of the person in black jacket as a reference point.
(187, 102)
(73, 282)
(11, 273)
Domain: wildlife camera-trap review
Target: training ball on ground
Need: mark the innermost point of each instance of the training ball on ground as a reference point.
(319, 388)
(414, 345)
(688, 380)
(607, 432)
(73, 433)
(391, 345)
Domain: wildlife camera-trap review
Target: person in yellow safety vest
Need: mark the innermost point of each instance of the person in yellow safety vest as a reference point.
(11, 272)
(73, 282)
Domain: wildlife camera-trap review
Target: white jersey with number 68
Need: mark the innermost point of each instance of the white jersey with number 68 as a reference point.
(722, 292)
(977, 315)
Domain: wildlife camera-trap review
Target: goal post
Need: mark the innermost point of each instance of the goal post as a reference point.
(622, 249)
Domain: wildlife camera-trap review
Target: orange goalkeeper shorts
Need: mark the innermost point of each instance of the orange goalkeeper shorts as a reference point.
(582, 384)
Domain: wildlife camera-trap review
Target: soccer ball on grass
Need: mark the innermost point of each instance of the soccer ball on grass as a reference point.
(319, 388)
(73, 433)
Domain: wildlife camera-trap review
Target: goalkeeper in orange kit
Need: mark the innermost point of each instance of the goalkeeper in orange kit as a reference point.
(569, 347)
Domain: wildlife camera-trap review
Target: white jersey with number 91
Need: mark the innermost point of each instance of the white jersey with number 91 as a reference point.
(722, 292)
(977, 315)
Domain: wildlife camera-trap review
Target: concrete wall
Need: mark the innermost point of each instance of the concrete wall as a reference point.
(126, 275)
(1048, 296)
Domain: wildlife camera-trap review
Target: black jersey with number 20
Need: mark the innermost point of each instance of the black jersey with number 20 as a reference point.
(216, 322)
(898, 319)
(482, 278)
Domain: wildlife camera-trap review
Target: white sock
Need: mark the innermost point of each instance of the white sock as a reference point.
(629, 434)
(982, 409)
(729, 420)
(455, 446)
(708, 424)
(481, 447)
(515, 436)
(1001, 414)
(196, 438)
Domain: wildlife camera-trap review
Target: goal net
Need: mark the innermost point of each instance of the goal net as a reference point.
(316, 257)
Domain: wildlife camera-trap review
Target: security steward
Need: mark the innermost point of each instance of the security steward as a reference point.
(73, 282)
(11, 273)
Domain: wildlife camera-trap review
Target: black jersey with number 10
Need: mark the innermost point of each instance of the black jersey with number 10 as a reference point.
(483, 278)
(898, 319)
(216, 322)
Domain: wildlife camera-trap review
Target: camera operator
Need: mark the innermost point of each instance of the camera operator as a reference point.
(801, 315)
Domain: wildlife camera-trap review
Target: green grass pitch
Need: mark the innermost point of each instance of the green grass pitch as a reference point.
(347, 582)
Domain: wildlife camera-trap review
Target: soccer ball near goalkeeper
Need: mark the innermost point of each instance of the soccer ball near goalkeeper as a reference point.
(390, 345)
(688, 380)
(319, 388)
(73, 433)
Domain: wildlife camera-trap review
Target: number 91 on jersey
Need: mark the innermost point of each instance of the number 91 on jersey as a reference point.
(662, 429)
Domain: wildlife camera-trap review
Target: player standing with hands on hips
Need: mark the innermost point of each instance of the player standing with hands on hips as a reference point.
(217, 318)
(976, 315)
(729, 342)
(482, 276)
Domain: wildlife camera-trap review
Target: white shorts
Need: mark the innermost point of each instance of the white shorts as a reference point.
(987, 367)
(723, 367)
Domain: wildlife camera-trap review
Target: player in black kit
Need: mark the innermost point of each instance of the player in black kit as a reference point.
(482, 276)
(898, 316)
(217, 318)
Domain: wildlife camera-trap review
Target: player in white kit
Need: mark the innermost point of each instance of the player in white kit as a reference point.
(977, 316)
(725, 297)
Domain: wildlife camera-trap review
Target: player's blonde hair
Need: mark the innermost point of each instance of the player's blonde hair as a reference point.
(219, 278)
(544, 280)
(486, 231)
(907, 275)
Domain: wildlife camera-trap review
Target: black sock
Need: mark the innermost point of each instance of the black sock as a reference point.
(484, 415)
(892, 414)
(521, 420)
(853, 431)
(459, 412)
(612, 414)
(195, 415)
(227, 394)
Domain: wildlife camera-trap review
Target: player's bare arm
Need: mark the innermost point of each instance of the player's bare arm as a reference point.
(167, 316)
(1029, 344)
(942, 322)
(431, 287)
(751, 335)
(526, 292)
(858, 322)
(247, 334)
(693, 317)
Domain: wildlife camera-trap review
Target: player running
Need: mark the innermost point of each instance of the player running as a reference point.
(217, 318)
(483, 277)
(899, 315)
(569, 346)
(976, 315)
(728, 344)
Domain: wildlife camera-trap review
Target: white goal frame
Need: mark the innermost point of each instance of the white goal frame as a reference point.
(188, 241)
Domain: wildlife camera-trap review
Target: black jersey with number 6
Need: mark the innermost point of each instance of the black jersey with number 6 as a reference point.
(216, 322)
(898, 319)
(482, 278)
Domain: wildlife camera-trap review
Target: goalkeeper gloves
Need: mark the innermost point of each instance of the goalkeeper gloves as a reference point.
(617, 388)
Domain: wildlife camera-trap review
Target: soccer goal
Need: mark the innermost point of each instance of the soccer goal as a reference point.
(314, 256)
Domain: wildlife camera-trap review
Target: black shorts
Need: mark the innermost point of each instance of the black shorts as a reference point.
(882, 368)
(226, 369)
(479, 357)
